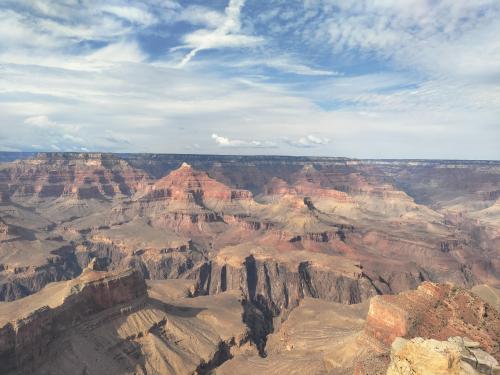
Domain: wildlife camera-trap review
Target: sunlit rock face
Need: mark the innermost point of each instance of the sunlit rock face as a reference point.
(457, 355)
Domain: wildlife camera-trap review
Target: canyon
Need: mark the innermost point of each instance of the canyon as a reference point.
(166, 264)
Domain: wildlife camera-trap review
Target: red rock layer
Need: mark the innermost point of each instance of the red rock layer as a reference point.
(435, 311)
(83, 176)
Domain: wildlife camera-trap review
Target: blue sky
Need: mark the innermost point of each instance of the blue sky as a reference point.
(365, 78)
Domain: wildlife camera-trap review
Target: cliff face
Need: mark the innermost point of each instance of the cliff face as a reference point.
(275, 283)
(82, 176)
(23, 340)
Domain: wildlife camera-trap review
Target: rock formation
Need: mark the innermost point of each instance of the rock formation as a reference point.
(4, 230)
(457, 355)
(239, 252)
(435, 311)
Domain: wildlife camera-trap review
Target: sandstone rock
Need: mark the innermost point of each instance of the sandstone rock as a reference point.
(454, 356)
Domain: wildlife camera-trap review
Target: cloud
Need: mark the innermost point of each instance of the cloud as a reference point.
(308, 141)
(43, 122)
(131, 14)
(226, 34)
(123, 51)
(226, 142)
(438, 37)
(82, 75)
(200, 15)
(55, 135)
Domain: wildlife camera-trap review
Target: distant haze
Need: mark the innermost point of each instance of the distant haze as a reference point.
(364, 79)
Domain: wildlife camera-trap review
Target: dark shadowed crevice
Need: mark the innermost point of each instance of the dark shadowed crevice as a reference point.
(222, 355)
(256, 313)
(223, 278)
(306, 281)
(251, 271)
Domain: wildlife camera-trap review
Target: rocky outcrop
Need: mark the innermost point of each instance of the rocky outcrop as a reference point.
(456, 356)
(24, 339)
(435, 311)
(4, 230)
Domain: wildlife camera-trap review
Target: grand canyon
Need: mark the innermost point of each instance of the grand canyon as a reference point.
(245, 187)
(182, 264)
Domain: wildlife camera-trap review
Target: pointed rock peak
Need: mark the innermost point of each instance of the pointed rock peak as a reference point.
(185, 165)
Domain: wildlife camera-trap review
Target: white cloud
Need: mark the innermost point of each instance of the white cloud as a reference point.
(123, 51)
(227, 34)
(226, 142)
(309, 141)
(200, 15)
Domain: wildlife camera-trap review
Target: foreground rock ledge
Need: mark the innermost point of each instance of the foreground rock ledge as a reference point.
(457, 355)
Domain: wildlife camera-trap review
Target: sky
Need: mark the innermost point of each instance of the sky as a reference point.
(363, 79)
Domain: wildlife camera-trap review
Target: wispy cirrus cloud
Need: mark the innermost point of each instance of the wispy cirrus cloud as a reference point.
(226, 34)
